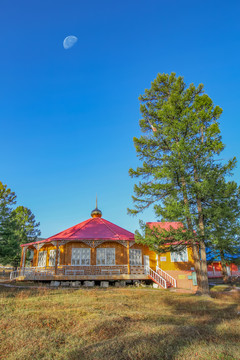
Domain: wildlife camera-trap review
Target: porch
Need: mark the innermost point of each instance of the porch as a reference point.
(92, 272)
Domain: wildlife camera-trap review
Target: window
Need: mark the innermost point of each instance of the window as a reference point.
(135, 257)
(179, 256)
(81, 256)
(106, 256)
(52, 255)
(42, 258)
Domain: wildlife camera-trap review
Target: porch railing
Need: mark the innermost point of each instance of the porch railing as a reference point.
(156, 277)
(31, 273)
(166, 276)
(215, 274)
(35, 273)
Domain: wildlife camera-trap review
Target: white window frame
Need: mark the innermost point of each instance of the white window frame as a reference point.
(181, 256)
(135, 257)
(42, 258)
(105, 256)
(52, 257)
(81, 257)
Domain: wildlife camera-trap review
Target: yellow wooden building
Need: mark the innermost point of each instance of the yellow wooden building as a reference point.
(98, 250)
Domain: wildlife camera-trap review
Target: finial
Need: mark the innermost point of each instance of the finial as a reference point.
(96, 212)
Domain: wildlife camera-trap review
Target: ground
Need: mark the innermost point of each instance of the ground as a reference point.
(118, 324)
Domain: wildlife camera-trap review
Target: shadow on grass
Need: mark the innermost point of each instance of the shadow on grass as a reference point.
(188, 324)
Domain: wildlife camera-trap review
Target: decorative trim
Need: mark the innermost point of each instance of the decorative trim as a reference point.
(41, 245)
(99, 242)
(90, 243)
(62, 242)
(131, 243)
(122, 242)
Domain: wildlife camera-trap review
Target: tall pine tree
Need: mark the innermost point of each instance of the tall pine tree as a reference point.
(180, 143)
(17, 226)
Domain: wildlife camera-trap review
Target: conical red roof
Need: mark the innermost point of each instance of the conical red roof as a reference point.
(92, 229)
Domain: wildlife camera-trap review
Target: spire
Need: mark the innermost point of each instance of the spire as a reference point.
(96, 212)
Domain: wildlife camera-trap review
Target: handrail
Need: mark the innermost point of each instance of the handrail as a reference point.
(156, 277)
(168, 277)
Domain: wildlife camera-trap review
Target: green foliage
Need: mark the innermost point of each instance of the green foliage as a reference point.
(222, 218)
(17, 226)
(178, 153)
(161, 240)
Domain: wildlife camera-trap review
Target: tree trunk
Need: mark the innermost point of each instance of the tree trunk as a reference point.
(195, 249)
(204, 272)
(224, 266)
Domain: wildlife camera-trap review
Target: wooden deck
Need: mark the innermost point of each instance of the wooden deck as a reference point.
(70, 273)
(38, 277)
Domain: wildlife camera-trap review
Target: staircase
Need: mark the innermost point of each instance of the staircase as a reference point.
(160, 277)
(169, 279)
(156, 277)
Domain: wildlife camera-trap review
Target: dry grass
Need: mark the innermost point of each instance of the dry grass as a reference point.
(124, 324)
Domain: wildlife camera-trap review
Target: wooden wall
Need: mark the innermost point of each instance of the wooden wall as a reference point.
(169, 265)
(120, 255)
(120, 252)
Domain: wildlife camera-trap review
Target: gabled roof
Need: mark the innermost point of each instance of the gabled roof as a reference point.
(166, 225)
(91, 229)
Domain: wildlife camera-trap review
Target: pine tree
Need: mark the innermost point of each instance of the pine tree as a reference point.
(17, 226)
(222, 214)
(178, 150)
(7, 200)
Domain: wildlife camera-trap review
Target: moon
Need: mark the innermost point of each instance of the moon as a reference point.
(69, 41)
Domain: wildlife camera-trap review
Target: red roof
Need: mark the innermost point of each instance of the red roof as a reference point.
(91, 229)
(166, 225)
(174, 225)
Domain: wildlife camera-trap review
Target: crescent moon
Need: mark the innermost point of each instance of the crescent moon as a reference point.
(69, 41)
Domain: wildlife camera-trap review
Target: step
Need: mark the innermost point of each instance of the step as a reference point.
(168, 283)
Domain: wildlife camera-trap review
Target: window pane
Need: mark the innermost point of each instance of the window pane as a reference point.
(135, 257)
(110, 256)
(81, 256)
(52, 256)
(179, 256)
(42, 257)
(100, 256)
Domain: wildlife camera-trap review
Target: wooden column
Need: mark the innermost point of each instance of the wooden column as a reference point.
(56, 258)
(128, 261)
(64, 253)
(21, 263)
(93, 257)
(36, 263)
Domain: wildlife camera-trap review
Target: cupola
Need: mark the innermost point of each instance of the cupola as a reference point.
(96, 212)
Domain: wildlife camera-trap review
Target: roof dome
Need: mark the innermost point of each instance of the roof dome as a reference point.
(96, 212)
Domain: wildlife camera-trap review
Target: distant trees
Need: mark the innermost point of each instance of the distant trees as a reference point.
(223, 223)
(179, 173)
(17, 226)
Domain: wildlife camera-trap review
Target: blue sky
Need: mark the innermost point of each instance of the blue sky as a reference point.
(68, 116)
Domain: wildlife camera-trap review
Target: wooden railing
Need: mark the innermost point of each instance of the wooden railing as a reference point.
(35, 273)
(92, 269)
(156, 277)
(166, 276)
(32, 273)
(215, 274)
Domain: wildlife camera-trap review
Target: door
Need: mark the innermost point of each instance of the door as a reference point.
(146, 261)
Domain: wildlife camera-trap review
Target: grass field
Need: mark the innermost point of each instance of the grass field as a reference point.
(119, 324)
